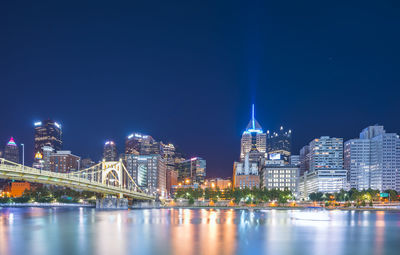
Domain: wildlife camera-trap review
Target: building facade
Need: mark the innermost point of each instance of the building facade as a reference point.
(280, 143)
(325, 181)
(326, 153)
(373, 160)
(64, 162)
(11, 151)
(304, 158)
(294, 160)
(246, 174)
(47, 133)
(193, 169)
(275, 174)
(140, 144)
(219, 183)
(110, 151)
(148, 172)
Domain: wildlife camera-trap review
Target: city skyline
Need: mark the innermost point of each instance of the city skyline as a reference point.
(103, 77)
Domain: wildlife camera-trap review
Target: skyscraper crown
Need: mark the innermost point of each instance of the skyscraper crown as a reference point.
(11, 142)
(253, 125)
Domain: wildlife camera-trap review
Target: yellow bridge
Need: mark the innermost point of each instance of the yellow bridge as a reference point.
(110, 178)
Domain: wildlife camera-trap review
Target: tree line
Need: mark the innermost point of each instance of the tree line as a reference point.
(43, 194)
(246, 195)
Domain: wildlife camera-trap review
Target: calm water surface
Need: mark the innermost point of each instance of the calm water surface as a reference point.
(200, 231)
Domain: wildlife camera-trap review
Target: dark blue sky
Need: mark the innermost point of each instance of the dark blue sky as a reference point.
(187, 72)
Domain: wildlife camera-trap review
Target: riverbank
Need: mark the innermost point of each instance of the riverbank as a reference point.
(388, 208)
(46, 205)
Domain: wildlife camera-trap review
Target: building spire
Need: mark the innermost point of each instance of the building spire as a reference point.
(252, 117)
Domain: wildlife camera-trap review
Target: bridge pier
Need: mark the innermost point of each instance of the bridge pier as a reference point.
(112, 203)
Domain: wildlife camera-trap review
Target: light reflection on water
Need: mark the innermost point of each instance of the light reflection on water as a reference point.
(201, 231)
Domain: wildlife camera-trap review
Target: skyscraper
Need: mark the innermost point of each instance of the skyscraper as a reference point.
(140, 144)
(304, 158)
(373, 160)
(148, 172)
(110, 151)
(193, 169)
(11, 151)
(47, 133)
(253, 136)
(280, 143)
(326, 173)
(326, 153)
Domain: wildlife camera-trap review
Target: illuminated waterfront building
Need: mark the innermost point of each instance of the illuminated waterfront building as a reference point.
(325, 181)
(324, 156)
(246, 173)
(171, 180)
(276, 174)
(373, 160)
(47, 133)
(16, 189)
(148, 172)
(192, 171)
(110, 151)
(11, 151)
(217, 183)
(64, 162)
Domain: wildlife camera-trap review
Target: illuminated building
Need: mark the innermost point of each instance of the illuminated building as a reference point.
(11, 151)
(373, 160)
(47, 133)
(64, 162)
(110, 151)
(172, 179)
(246, 173)
(253, 136)
(325, 181)
(324, 156)
(168, 154)
(326, 153)
(304, 159)
(47, 152)
(148, 172)
(192, 171)
(140, 144)
(16, 189)
(294, 160)
(275, 174)
(217, 183)
(280, 143)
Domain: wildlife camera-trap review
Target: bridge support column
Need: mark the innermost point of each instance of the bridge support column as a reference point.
(112, 203)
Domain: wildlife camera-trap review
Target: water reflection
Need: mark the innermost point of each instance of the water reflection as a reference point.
(202, 231)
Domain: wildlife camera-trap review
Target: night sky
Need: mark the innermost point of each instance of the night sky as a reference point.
(187, 72)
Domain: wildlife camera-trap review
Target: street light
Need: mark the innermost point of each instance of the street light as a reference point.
(23, 156)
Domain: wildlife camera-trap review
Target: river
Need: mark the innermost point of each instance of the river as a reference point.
(197, 231)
